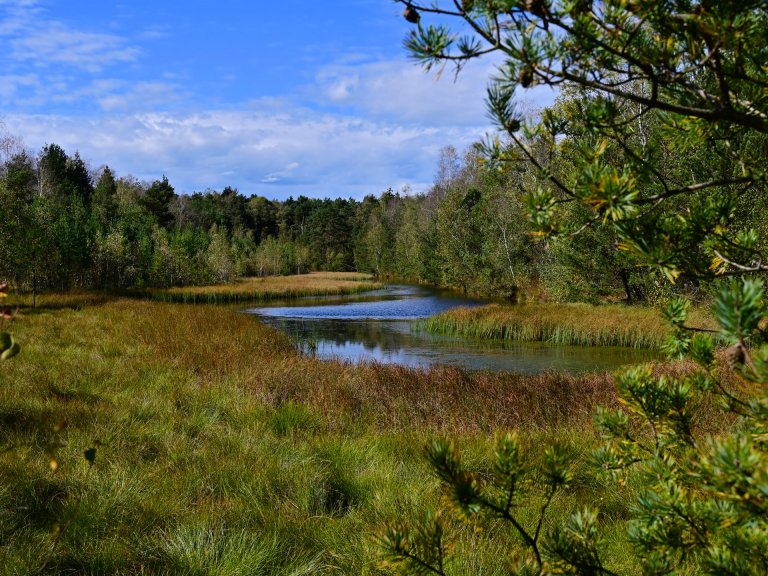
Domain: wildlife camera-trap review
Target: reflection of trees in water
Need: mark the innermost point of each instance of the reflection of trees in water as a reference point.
(312, 301)
(313, 334)
(367, 339)
(369, 334)
(392, 292)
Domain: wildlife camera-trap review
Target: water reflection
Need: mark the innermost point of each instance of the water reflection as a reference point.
(396, 303)
(380, 326)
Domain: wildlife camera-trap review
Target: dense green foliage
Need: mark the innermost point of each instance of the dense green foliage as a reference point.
(661, 128)
(70, 227)
(664, 141)
(65, 226)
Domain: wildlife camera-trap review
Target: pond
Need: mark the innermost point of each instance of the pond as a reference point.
(382, 326)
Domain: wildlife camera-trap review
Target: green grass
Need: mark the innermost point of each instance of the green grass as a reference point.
(264, 289)
(219, 450)
(577, 324)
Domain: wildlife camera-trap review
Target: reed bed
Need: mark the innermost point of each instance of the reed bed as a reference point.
(61, 300)
(569, 324)
(220, 450)
(267, 288)
(213, 344)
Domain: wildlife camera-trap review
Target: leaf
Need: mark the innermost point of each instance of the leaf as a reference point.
(676, 311)
(508, 458)
(556, 466)
(702, 350)
(601, 147)
(739, 309)
(11, 352)
(671, 272)
(6, 341)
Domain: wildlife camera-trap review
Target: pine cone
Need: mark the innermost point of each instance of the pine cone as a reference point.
(525, 77)
(537, 7)
(411, 15)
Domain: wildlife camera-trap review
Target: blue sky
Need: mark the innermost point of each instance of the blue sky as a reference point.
(273, 98)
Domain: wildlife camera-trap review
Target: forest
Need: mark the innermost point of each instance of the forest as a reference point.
(74, 227)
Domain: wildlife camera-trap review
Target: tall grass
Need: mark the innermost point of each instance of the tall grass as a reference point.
(262, 289)
(59, 300)
(577, 324)
(219, 450)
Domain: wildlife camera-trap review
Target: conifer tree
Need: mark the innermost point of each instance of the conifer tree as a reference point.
(697, 68)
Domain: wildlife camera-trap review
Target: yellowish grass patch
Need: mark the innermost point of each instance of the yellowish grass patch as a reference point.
(272, 288)
(580, 324)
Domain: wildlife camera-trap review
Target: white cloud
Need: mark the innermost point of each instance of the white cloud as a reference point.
(294, 152)
(141, 96)
(51, 43)
(10, 84)
(340, 88)
(275, 177)
(364, 126)
(371, 126)
(48, 64)
(18, 15)
(32, 38)
(397, 89)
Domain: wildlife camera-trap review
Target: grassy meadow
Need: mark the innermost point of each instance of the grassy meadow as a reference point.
(259, 289)
(577, 324)
(221, 451)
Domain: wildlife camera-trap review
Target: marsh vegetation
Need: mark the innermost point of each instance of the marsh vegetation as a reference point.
(260, 289)
(219, 449)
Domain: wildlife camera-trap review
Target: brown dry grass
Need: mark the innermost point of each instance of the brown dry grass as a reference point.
(218, 345)
(221, 347)
(215, 344)
(272, 287)
(60, 300)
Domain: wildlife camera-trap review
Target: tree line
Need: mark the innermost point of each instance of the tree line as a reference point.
(66, 226)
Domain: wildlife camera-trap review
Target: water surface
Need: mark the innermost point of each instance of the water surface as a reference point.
(382, 326)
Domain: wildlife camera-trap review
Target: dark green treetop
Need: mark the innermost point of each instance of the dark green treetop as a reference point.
(157, 201)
